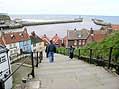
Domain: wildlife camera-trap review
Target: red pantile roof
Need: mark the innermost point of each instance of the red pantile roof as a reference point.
(99, 37)
(115, 27)
(16, 37)
(45, 38)
(56, 38)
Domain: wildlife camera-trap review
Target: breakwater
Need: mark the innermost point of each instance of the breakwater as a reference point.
(27, 23)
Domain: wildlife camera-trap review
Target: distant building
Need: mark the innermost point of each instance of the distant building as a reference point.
(57, 40)
(77, 38)
(115, 27)
(5, 68)
(37, 43)
(65, 41)
(80, 38)
(16, 42)
(96, 36)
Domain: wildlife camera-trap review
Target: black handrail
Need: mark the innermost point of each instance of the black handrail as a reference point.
(15, 70)
(100, 56)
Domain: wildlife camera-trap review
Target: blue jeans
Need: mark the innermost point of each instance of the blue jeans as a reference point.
(51, 56)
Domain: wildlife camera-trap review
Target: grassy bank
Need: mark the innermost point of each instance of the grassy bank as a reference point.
(99, 49)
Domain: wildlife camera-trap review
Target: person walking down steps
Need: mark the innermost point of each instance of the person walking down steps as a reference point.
(51, 49)
(71, 52)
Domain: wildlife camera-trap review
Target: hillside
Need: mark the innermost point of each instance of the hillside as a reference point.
(111, 41)
(102, 49)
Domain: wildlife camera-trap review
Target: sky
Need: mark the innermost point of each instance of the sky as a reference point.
(71, 7)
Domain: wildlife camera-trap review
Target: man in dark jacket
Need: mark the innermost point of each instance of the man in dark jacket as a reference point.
(51, 49)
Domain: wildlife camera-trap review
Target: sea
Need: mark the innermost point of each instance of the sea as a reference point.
(61, 29)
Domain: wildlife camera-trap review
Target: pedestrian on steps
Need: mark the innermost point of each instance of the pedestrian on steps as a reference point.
(51, 49)
(71, 52)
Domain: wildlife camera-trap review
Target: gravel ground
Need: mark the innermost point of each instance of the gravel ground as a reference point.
(19, 75)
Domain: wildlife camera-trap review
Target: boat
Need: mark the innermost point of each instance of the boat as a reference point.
(101, 22)
(78, 19)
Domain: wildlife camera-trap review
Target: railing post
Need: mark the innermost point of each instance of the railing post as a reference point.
(110, 55)
(41, 56)
(64, 51)
(90, 56)
(37, 60)
(32, 73)
(2, 86)
(79, 54)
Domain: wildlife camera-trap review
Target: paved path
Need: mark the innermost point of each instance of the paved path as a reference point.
(71, 74)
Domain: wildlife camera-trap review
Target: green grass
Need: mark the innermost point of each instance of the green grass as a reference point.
(111, 40)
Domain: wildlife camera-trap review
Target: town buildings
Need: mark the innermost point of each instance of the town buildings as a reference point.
(16, 42)
(80, 38)
(57, 40)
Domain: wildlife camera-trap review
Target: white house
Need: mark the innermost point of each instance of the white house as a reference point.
(5, 68)
(16, 41)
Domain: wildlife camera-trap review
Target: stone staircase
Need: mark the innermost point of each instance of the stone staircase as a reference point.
(65, 73)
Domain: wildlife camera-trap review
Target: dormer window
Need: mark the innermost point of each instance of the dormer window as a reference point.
(21, 35)
(12, 36)
(79, 35)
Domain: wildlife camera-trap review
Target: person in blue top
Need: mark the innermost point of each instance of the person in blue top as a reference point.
(51, 49)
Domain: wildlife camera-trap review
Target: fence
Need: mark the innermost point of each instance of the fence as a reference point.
(107, 57)
(36, 58)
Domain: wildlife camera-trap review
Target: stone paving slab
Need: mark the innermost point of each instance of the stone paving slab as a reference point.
(72, 74)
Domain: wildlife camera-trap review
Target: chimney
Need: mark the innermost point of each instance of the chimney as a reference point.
(44, 35)
(25, 29)
(33, 33)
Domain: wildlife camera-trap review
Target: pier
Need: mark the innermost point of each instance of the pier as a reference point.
(28, 23)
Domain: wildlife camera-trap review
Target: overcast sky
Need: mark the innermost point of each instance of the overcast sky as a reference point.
(78, 7)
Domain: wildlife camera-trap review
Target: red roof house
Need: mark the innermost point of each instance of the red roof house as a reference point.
(17, 42)
(115, 27)
(15, 37)
(45, 39)
(57, 40)
(99, 37)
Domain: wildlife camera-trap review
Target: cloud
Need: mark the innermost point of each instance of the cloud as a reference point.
(60, 6)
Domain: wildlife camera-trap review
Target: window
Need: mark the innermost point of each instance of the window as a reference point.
(25, 42)
(21, 35)
(75, 42)
(12, 37)
(14, 44)
(10, 45)
(83, 42)
(79, 42)
(2, 59)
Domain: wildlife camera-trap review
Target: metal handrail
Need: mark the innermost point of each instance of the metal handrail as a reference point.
(15, 70)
